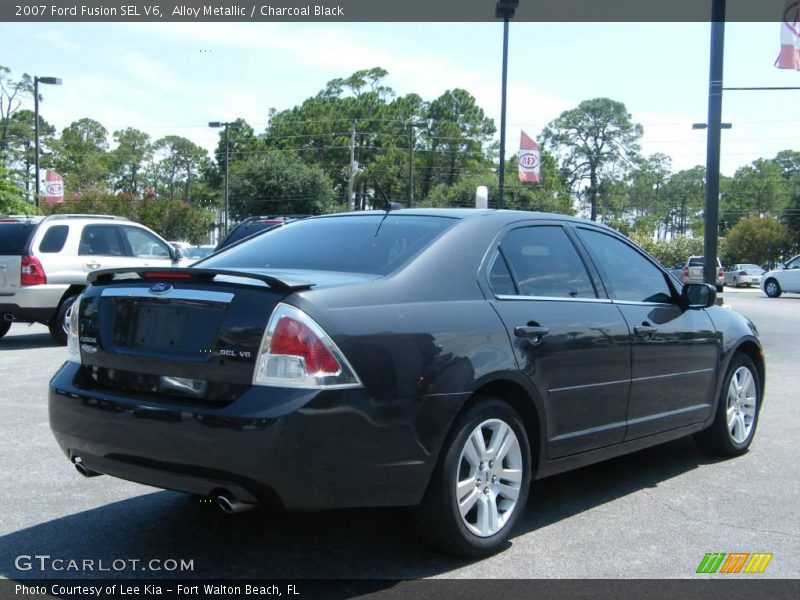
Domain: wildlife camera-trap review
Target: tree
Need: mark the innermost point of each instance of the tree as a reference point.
(592, 142)
(12, 92)
(181, 163)
(81, 155)
(755, 239)
(21, 147)
(278, 183)
(756, 189)
(127, 160)
(12, 197)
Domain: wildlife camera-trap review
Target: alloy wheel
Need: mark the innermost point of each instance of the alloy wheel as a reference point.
(489, 477)
(742, 404)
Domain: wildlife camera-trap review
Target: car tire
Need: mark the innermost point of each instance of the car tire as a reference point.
(739, 405)
(719, 288)
(480, 485)
(59, 324)
(772, 288)
(735, 282)
(4, 327)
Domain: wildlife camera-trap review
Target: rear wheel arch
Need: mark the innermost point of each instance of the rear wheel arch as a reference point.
(520, 400)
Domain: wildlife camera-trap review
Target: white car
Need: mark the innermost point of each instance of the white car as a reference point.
(785, 279)
(743, 274)
(44, 262)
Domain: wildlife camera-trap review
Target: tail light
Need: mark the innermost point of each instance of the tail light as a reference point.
(31, 271)
(685, 271)
(296, 352)
(720, 272)
(742, 272)
(73, 342)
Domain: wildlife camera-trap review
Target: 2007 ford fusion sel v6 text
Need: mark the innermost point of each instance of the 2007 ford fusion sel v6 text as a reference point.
(434, 358)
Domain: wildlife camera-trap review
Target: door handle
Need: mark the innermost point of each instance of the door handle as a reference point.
(534, 333)
(93, 265)
(646, 331)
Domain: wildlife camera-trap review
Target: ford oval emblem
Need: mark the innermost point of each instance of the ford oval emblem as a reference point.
(160, 288)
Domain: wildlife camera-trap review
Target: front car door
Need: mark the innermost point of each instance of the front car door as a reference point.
(146, 249)
(789, 278)
(674, 351)
(569, 340)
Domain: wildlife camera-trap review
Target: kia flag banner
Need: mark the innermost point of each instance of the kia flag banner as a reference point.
(528, 159)
(53, 188)
(789, 58)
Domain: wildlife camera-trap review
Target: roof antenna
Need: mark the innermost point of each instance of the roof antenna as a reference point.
(388, 206)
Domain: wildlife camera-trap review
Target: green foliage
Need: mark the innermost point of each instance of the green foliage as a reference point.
(278, 183)
(757, 188)
(81, 157)
(758, 240)
(13, 198)
(674, 252)
(173, 219)
(127, 159)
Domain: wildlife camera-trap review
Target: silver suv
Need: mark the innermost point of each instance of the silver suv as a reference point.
(44, 262)
(693, 271)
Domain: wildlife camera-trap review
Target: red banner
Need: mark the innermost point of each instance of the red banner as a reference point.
(789, 58)
(529, 158)
(53, 188)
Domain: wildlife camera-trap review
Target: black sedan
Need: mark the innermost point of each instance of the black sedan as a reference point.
(434, 358)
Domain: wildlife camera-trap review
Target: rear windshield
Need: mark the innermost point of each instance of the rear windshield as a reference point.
(697, 261)
(376, 244)
(14, 237)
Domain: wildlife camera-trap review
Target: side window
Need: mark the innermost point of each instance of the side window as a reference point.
(145, 244)
(629, 275)
(546, 263)
(101, 240)
(54, 239)
(499, 276)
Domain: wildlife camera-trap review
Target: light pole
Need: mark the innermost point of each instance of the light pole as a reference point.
(227, 125)
(412, 125)
(504, 9)
(36, 82)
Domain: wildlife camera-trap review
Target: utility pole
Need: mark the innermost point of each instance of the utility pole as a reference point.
(36, 81)
(713, 143)
(351, 205)
(504, 9)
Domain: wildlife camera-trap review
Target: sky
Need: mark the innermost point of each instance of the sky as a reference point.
(172, 78)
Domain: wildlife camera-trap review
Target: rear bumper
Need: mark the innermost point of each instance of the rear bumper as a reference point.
(35, 303)
(304, 449)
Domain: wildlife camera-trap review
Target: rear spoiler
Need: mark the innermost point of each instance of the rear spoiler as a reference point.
(200, 275)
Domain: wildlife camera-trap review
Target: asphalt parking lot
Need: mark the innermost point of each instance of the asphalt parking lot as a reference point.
(654, 514)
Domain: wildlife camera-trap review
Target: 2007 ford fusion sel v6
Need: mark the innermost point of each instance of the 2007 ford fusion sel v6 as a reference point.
(442, 359)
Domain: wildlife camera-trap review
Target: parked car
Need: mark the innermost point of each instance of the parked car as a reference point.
(693, 271)
(743, 274)
(785, 279)
(437, 358)
(197, 252)
(44, 262)
(254, 225)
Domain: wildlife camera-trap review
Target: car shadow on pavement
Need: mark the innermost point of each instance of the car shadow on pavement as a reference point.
(358, 544)
(28, 341)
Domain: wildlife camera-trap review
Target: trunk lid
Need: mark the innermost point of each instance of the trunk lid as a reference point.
(189, 335)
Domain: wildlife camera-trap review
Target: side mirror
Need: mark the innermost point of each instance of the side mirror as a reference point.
(176, 254)
(698, 295)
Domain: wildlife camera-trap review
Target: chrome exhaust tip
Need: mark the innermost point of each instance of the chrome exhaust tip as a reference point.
(229, 504)
(83, 469)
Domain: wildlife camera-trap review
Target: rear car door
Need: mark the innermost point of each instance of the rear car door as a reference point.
(571, 343)
(674, 352)
(101, 247)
